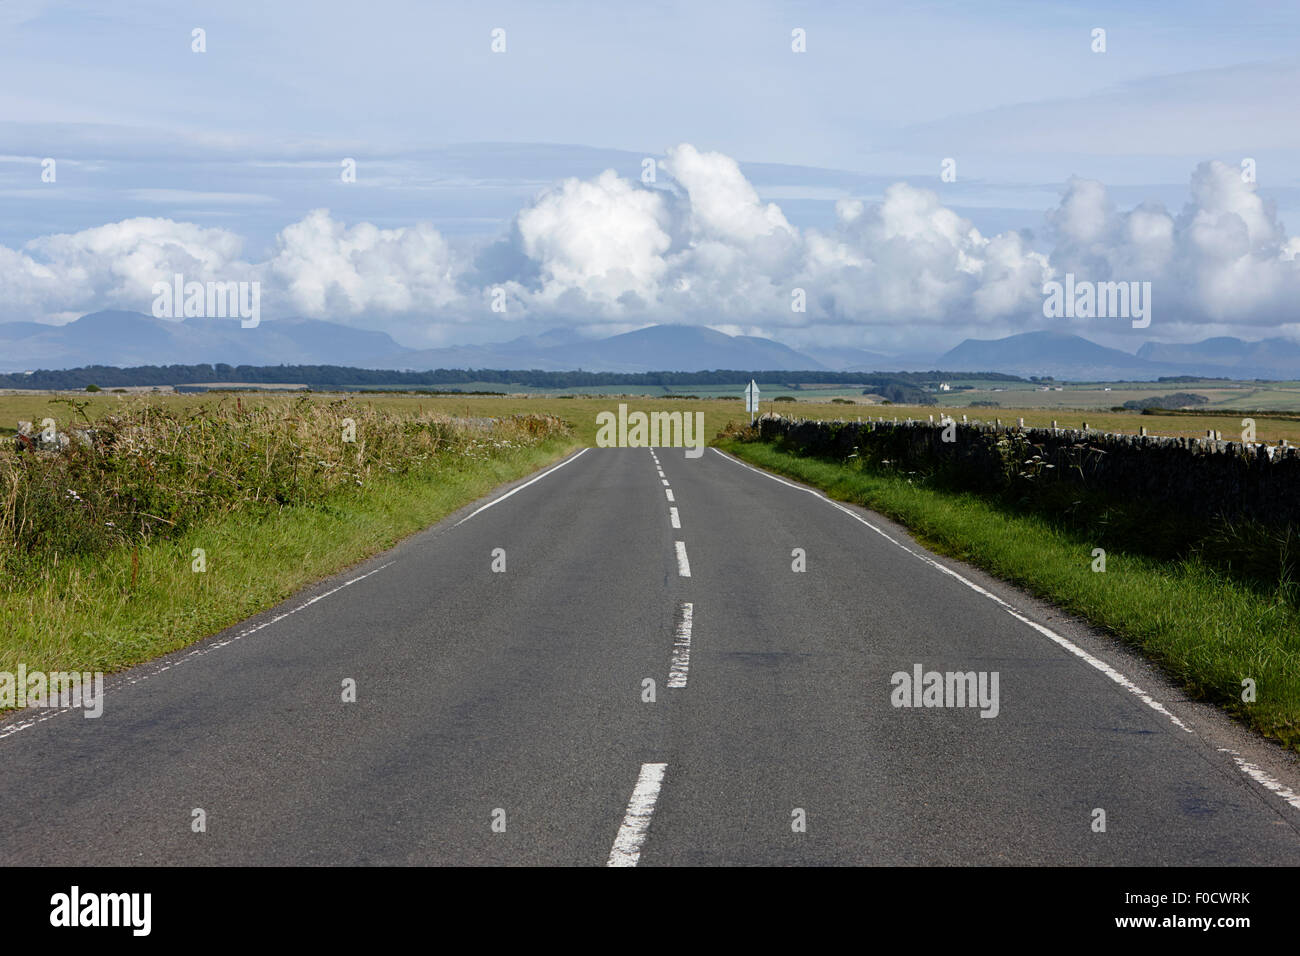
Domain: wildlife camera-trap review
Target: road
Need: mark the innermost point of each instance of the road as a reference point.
(502, 716)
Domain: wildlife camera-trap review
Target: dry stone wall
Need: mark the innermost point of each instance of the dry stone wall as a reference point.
(1205, 477)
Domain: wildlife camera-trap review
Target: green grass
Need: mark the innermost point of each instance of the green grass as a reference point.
(105, 612)
(1206, 630)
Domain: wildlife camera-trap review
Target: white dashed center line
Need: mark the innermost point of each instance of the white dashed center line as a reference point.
(681, 645)
(669, 493)
(674, 517)
(683, 566)
(636, 822)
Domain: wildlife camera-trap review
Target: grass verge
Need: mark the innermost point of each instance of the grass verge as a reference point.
(1207, 631)
(110, 611)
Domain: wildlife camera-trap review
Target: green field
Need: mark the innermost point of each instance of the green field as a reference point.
(581, 411)
(1275, 396)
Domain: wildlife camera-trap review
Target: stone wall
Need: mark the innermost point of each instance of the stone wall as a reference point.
(1204, 477)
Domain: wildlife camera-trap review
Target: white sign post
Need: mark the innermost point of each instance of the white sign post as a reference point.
(751, 399)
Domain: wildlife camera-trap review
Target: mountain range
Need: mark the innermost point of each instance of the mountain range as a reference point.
(131, 338)
(683, 348)
(1065, 356)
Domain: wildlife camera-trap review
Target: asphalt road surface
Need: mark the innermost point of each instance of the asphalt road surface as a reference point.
(504, 716)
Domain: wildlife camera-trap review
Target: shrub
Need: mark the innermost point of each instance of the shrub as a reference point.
(1172, 400)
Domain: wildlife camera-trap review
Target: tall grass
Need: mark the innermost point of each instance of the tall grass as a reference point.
(150, 471)
(96, 541)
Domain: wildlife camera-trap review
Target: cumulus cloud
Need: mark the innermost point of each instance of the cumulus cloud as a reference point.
(700, 246)
(114, 265)
(603, 239)
(1225, 258)
(324, 269)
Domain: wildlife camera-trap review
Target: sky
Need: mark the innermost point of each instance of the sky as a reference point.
(518, 177)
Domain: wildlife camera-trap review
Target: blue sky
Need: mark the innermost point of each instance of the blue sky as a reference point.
(454, 143)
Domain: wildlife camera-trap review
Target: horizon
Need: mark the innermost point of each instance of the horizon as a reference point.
(587, 336)
(1051, 355)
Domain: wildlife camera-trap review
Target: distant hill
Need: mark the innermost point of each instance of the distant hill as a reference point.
(132, 338)
(854, 360)
(1057, 354)
(1066, 356)
(128, 339)
(1225, 355)
(681, 348)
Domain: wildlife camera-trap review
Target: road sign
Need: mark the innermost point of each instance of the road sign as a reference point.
(751, 398)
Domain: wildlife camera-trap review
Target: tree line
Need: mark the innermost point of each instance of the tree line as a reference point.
(345, 377)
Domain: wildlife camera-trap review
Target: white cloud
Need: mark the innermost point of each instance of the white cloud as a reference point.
(1224, 258)
(112, 266)
(602, 238)
(325, 270)
(723, 205)
(704, 248)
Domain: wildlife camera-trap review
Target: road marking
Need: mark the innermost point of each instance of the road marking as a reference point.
(145, 671)
(497, 501)
(665, 482)
(636, 822)
(1079, 652)
(681, 645)
(674, 517)
(669, 493)
(1252, 771)
(683, 566)
(1249, 769)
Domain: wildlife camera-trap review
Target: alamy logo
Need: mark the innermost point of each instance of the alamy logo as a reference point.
(1100, 300)
(75, 908)
(208, 300)
(653, 430)
(58, 689)
(922, 688)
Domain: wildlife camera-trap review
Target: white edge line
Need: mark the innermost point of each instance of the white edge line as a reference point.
(9, 730)
(1263, 779)
(518, 488)
(205, 648)
(682, 647)
(636, 821)
(1079, 652)
(683, 565)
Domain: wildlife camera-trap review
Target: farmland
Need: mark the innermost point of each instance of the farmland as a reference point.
(1071, 407)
